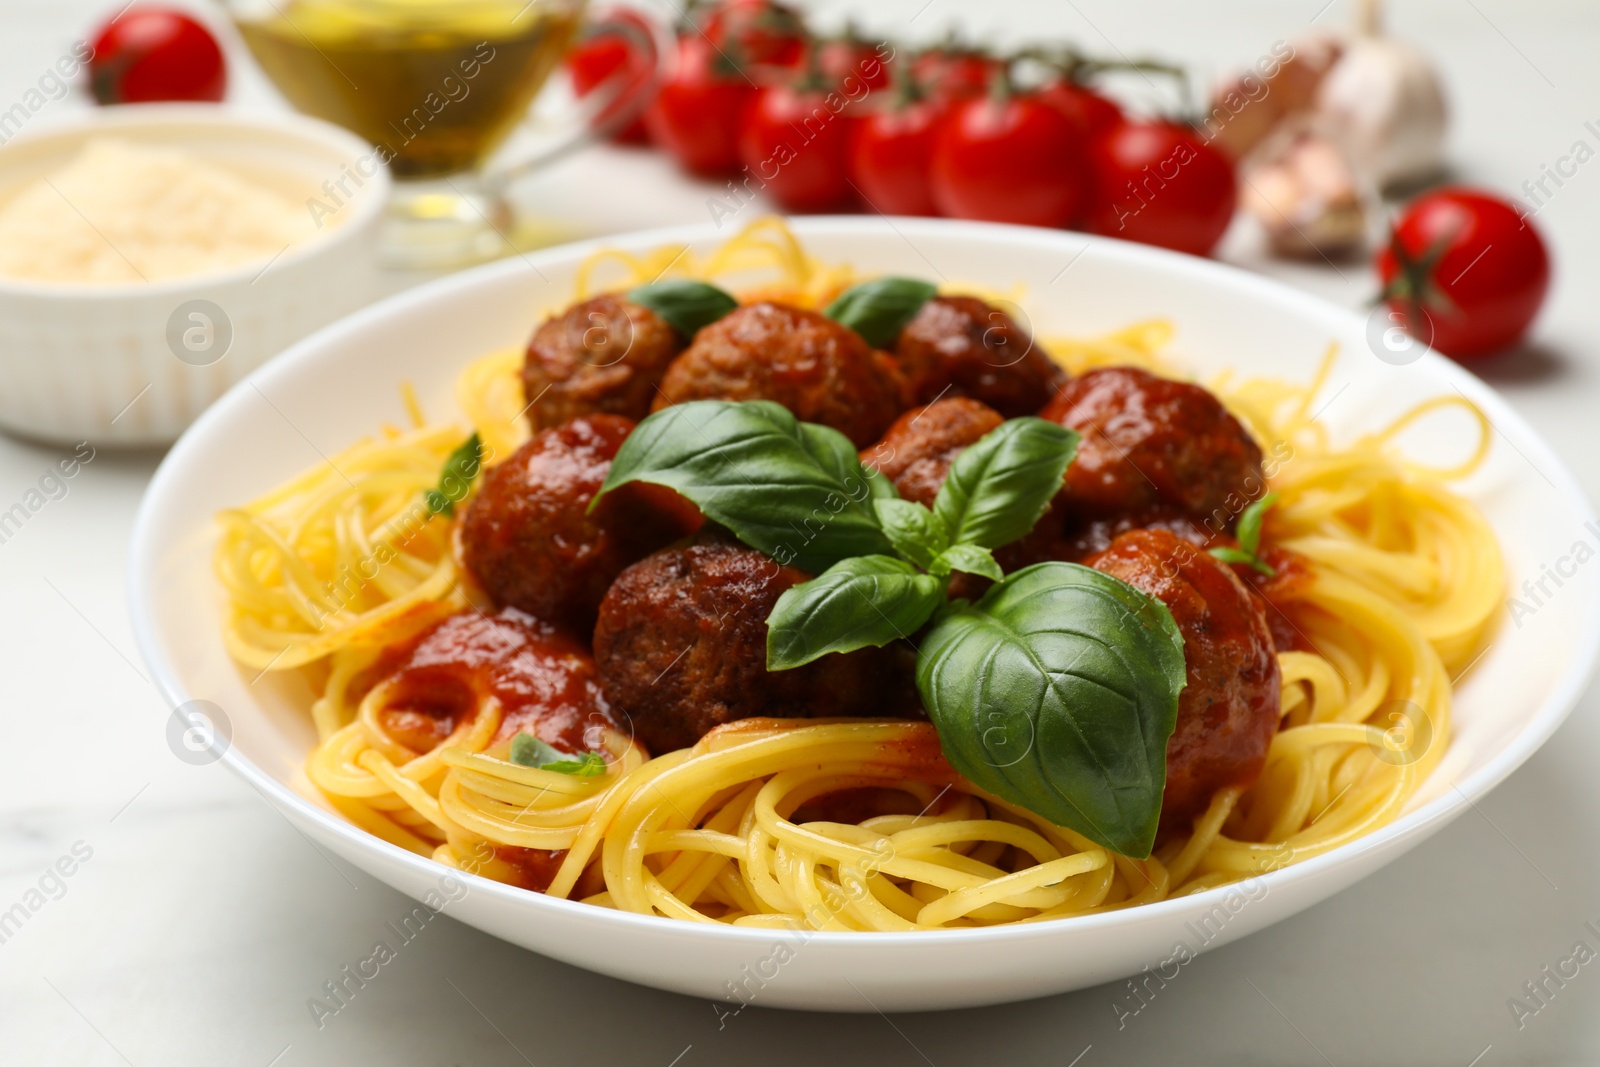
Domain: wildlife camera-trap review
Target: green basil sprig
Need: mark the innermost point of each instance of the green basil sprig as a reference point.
(455, 477)
(1057, 691)
(1249, 535)
(879, 309)
(530, 751)
(994, 493)
(794, 490)
(685, 305)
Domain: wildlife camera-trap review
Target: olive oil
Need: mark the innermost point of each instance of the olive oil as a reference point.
(435, 85)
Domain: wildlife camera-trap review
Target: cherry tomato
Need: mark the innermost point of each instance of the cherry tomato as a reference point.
(617, 44)
(757, 33)
(695, 115)
(955, 73)
(1094, 114)
(891, 153)
(1160, 183)
(795, 143)
(866, 61)
(156, 53)
(1009, 158)
(1465, 271)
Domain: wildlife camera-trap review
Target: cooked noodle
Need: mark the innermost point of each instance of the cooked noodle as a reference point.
(1403, 578)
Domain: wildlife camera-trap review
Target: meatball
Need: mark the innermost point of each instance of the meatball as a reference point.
(818, 369)
(1229, 709)
(604, 355)
(962, 346)
(544, 680)
(528, 539)
(1149, 441)
(1085, 535)
(917, 451)
(682, 648)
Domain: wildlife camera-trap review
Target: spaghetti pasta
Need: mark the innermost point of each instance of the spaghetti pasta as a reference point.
(1401, 581)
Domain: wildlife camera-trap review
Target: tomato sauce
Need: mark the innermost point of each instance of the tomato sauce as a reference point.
(545, 681)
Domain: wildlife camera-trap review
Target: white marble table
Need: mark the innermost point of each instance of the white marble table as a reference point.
(196, 923)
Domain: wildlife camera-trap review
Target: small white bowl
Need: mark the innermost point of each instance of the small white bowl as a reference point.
(95, 362)
(339, 385)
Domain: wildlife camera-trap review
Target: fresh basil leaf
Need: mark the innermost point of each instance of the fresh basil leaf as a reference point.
(455, 477)
(1057, 691)
(914, 531)
(1001, 485)
(685, 305)
(878, 310)
(793, 490)
(1250, 519)
(1245, 559)
(969, 559)
(588, 765)
(868, 600)
(530, 751)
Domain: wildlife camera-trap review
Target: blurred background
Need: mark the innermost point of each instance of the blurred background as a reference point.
(198, 921)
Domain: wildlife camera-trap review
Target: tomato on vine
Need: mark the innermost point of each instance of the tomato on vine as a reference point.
(760, 33)
(696, 112)
(794, 137)
(891, 150)
(1160, 183)
(1008, 157)
(617, 44)
(954, 72)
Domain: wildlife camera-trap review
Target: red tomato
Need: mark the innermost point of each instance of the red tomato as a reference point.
(1010, 159)
(891, 153)
(758, 33)
(1093, 113)
(617, 44)
(954, 74)
(695, 115)
(1160, 183)
(866, 61)
(1465, 271)
(155, 53)
(795, 144)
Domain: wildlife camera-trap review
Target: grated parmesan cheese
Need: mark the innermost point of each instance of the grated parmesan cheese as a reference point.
(122, 212)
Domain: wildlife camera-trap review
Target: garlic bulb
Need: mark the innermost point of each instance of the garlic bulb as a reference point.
(1382, 101)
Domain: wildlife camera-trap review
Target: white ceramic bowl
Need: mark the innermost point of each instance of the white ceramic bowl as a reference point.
(95, 362)
(341, 383)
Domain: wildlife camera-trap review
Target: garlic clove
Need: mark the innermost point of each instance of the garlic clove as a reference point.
(1305, 195)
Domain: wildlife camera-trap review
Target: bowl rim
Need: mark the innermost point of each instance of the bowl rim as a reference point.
(110, 119)
(144, 553)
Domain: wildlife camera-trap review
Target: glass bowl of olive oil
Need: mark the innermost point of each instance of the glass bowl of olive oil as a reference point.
(436, 86)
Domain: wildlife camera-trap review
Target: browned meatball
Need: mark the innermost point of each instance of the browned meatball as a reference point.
(682, 648)
(917, 451)
(1229, 709)
(604, 355)
(818, 369)
(962, 346)
(528, 540)
(1150, 441)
